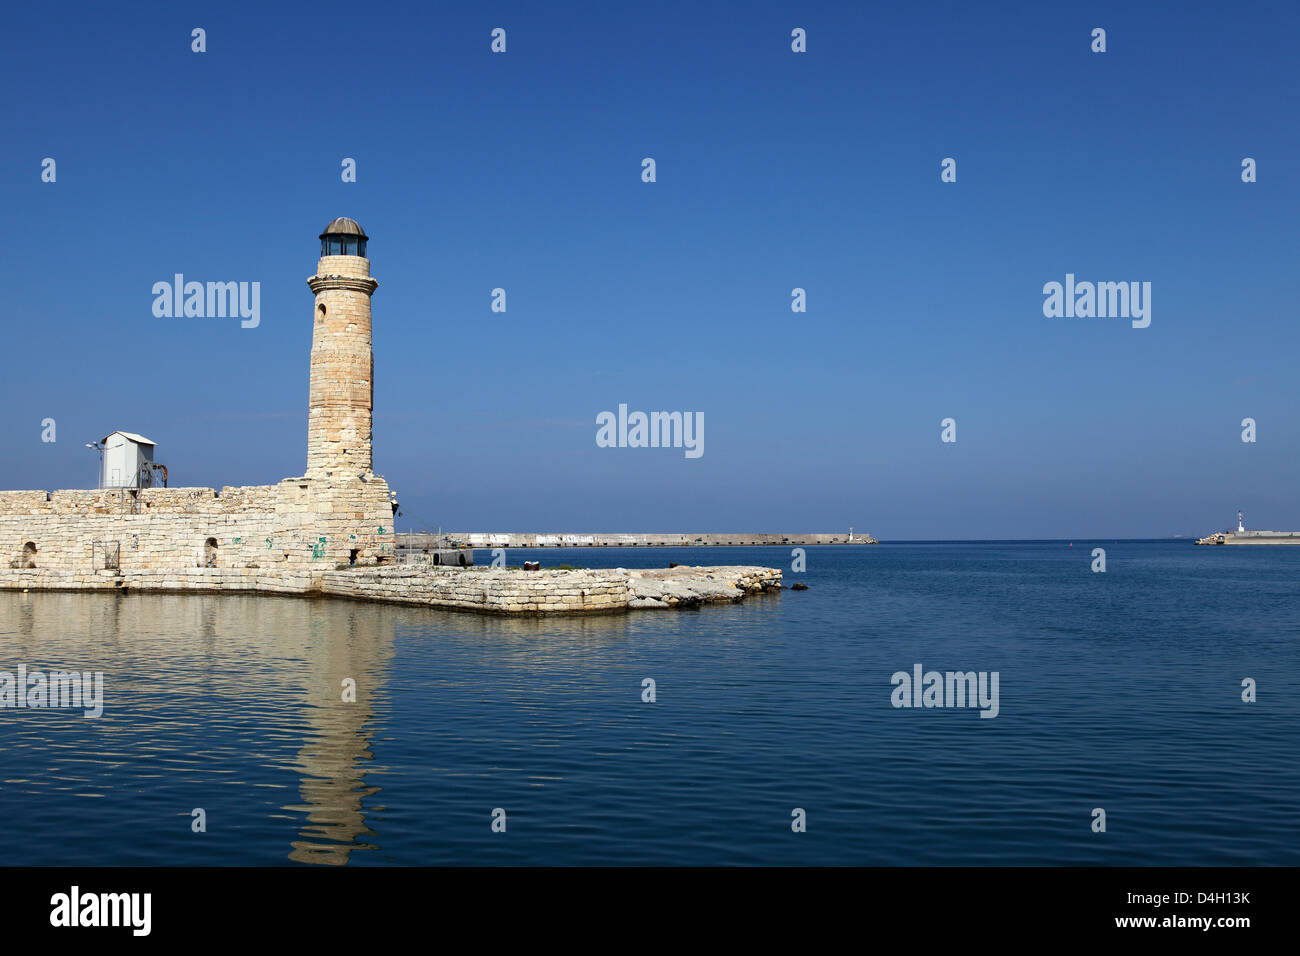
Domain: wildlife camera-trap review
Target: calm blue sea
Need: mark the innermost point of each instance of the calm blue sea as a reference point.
(1120, 691)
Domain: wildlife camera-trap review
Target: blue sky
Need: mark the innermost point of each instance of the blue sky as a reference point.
(775, 170)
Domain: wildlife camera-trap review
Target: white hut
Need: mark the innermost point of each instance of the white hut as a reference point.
(128, 460)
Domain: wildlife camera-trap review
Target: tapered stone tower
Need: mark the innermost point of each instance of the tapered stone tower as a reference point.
(341, 398)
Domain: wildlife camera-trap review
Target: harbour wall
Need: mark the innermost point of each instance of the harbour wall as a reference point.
(298, 522)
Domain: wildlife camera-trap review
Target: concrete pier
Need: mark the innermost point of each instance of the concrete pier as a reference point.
(529, 539)
(1252, 537)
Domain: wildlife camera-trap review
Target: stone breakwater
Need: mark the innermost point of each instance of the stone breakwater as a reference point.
(476, 539)
(482, 589)
(1252, 537)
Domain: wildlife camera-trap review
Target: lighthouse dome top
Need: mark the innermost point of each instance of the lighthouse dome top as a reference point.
(343, 226)
(343, 237)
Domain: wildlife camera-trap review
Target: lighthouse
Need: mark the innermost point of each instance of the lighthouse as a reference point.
(339, 510)
(1241, 525)
(342, 385)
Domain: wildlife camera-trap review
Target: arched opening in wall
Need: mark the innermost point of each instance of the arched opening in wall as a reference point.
(352, 556)
(460, 559)
(210, 553)
(28, 560)
(437, 558)
(320, 312)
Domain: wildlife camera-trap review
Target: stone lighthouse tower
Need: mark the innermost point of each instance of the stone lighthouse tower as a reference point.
(341, 397)
(340, 510)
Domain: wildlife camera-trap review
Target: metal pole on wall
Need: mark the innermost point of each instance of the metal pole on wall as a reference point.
(96, 446)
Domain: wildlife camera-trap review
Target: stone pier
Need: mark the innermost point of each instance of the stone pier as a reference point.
(482, 589)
